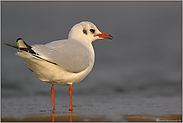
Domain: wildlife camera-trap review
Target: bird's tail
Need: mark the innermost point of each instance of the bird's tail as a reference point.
(21, 45)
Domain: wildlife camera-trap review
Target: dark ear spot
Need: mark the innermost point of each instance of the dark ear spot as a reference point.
(84, 31)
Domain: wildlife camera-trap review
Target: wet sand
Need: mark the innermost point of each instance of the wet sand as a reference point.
(92, 108)
(60, 117)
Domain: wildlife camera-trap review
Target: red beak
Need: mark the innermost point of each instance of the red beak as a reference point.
(104, 35)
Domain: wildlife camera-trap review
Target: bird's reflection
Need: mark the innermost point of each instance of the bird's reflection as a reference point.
(53, 117)
(71, 116)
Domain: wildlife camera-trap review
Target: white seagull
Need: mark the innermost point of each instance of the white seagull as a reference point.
(63, 62)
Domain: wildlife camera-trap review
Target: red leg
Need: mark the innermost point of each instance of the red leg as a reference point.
(52, 93)
(70, 93)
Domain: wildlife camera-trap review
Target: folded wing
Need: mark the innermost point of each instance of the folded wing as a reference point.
(71, 56)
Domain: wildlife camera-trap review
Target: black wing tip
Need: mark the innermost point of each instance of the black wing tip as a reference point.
(11, 45)
(18, 39)
(5, 43)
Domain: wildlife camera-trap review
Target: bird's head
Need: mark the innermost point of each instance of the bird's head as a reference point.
(88, 31)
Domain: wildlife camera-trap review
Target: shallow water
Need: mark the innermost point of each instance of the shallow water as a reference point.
(109, 108)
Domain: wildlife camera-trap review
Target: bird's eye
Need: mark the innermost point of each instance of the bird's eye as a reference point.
(92, 30)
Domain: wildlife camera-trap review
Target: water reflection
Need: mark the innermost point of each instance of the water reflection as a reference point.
(53, 116)
(71, 116)
(66, 117)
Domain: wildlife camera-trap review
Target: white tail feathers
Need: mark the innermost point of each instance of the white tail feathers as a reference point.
(21, 43)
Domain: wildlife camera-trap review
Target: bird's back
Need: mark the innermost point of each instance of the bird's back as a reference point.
(60, 61)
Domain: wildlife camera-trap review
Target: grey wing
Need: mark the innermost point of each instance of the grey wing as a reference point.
(72, 57)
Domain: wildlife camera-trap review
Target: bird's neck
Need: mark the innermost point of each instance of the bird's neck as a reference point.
(85, 42)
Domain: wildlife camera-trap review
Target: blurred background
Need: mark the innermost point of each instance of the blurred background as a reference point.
(144, 58)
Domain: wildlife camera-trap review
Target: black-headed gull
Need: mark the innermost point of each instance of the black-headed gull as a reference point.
(63, 62)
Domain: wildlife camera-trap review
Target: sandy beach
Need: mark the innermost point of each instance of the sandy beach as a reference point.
(59, 117)
(92, 108)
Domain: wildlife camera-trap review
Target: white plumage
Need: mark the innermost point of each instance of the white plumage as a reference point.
(63, 62)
